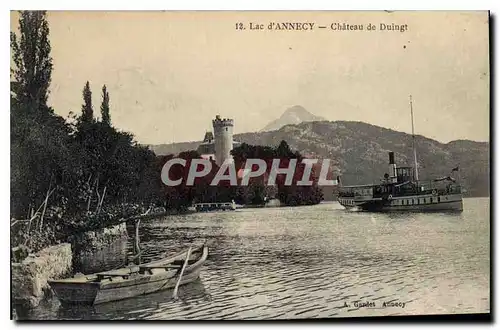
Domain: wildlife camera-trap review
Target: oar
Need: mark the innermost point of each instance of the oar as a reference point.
(188, 254)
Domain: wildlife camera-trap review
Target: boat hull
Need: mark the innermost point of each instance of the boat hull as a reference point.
(87, 290)
(425, 203)
(75, 294)
(146, 286)
(92, 294)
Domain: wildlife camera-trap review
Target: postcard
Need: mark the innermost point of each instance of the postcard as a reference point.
(249, 165)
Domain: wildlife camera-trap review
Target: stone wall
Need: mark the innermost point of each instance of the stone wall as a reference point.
(29, 277)
(109, 257)
(95, 251)
(93, 241)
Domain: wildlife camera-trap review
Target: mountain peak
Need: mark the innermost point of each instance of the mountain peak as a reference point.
(292, 116)
(297, 109)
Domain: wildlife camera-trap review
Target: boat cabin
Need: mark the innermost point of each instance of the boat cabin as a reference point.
(405, 174)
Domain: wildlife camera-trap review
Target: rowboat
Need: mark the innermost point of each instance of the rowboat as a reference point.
(131, 281)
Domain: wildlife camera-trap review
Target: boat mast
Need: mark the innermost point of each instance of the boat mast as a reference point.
(413, 137)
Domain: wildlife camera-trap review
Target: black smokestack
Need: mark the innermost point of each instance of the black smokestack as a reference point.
(391, 158)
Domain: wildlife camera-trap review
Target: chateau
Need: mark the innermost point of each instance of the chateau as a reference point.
(217, 146)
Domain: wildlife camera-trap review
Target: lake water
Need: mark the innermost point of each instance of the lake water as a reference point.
(309, 262)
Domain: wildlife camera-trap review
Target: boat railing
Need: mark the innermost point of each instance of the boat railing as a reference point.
(409, 189)
(439, 187)
(346, 194)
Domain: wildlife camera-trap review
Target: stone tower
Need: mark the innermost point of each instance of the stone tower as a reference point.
(223, 136)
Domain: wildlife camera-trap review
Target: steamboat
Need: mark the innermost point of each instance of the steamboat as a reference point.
(401, 190)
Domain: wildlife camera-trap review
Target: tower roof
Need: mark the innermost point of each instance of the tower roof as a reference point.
(209, 136)
(222, 122)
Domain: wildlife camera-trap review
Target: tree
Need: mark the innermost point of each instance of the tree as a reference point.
(87, 110)
(106, 118)
(86, 175)
(288, 195)
(32, 70)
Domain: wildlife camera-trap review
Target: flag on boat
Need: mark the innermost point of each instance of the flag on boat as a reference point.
(455, 169)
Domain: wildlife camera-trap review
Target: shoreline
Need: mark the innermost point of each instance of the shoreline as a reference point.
(31, 272)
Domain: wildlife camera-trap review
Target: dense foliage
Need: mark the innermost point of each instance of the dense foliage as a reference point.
(258, 190)
(74, 175)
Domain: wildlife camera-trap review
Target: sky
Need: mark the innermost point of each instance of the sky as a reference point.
(169, 73)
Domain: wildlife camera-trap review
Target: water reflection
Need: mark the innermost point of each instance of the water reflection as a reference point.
(309, 261)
